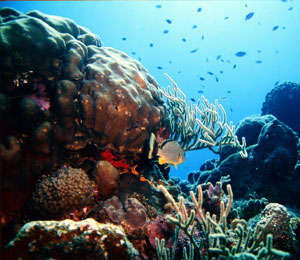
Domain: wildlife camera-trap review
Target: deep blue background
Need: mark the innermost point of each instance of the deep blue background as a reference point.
(142, 23)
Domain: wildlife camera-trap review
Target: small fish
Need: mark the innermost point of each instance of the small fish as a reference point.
(246, 5)
(249, 16)
(133, 52)
(124, 38)
(290, 9)
(276, 83)
(179, 72)
(259, 51)
(207, 60)
(140, 59)
(202, 38)
(283, 27)
(201, 78)
(168, 21)
(183, 39)
(275, 27)
(210, 73)
(234, 66)
(226, 18)
(228, 91)
(228, 61)
(223, 98)
(221, 71)
(194, 50)
(218, 57)
(166, 31)
(199, 9)
(171, 152)
(258, 61)
(200, 91)
(240, 53)
(222, 60)
(159, 67)
(158, 6)
(231, 109)
(151, 45)
(170, 62)
(217, 79)
(193, 99)
(195, 26)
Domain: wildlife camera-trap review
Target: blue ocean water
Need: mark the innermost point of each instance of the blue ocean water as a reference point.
(188, 39)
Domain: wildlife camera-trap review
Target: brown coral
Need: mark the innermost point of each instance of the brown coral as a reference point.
(64, 191)
(67, 239)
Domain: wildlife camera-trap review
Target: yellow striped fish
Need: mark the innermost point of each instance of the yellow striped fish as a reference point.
(171, 152)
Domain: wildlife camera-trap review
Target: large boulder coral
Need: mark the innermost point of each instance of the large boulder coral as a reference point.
(270, 169)
(68, 239)
(283, 102)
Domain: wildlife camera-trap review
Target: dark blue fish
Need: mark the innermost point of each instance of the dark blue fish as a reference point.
(201, 78)
(246, 5)
(199, 9)
(151, 45)
(226, 18)
(290, 9)
(124, 38)
(133, 52)
(210, 73)
(277, 51)
(207, 60)
(168, 21)
(234, 66)
(140, 59)
(158, 6)
(217, 79)
(275, 27)
(221, 71)
(228, 91)
(200, 91)
(179, 71)
(170, 62)
(276, 83)
(218, 57)
(222, 60)
(283, 27)
(159, 67)
(249, 16)
(258, 61)
(240, 53)
(202, 38)
(231, 109)
(183, 39)
(165, 31)
(259, 51)
(195, 26)
(194, 50)
(193, 99)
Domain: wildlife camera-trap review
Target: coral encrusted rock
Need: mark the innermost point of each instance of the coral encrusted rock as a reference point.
(61, 193)
(283, 102)
(68, 239)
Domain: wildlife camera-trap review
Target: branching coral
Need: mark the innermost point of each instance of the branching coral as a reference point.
(199, 126)
(218, 242)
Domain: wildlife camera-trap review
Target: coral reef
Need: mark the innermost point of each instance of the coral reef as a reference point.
(283, 103)
(61, 193)
(67, 239)
(269, 171)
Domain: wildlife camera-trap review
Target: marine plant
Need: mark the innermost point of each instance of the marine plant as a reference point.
(199, 125)
(219, 241)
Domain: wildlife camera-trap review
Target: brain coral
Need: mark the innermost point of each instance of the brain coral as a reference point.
(64, 191)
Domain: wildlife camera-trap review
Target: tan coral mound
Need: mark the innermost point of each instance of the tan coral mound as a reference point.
(68, 239)
(61, 193)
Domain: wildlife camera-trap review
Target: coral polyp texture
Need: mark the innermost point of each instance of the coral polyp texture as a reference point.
(119, 100)
(61, 193)
(67, 239)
